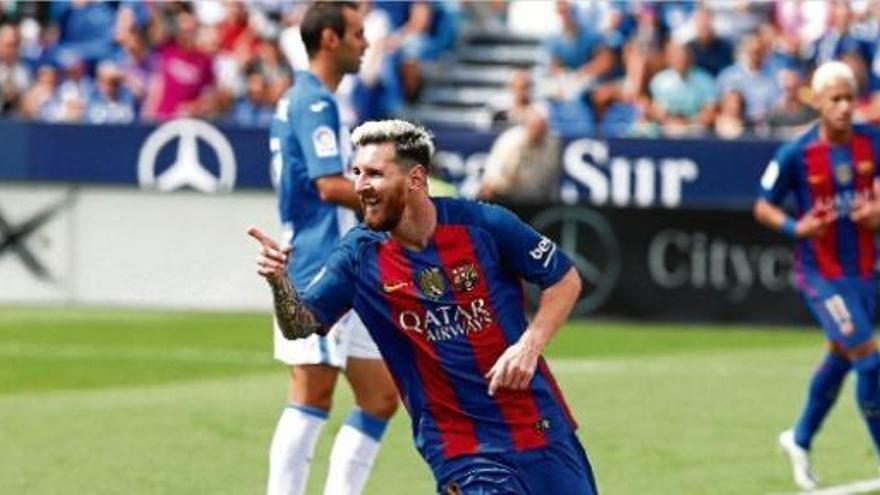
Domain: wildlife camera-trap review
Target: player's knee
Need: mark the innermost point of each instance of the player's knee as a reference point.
(381, 404)
(315, 397)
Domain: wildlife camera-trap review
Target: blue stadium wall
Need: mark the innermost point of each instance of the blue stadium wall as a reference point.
(660, 229)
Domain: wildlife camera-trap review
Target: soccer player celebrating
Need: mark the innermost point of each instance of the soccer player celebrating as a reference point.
(437, 283)
(832, 172)
(316, 200)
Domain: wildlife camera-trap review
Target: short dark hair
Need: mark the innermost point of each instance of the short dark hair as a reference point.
(320, 16)
(412, 144)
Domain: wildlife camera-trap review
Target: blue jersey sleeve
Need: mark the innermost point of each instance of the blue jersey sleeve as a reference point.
(779, 177)
(316, 127)
(533, 256)
(331, 292)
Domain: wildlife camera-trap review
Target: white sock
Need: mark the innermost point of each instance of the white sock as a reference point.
(293, 444)
(354, 451)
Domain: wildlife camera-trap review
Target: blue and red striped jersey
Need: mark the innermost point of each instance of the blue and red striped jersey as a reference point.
(441, 318)
(828, 176)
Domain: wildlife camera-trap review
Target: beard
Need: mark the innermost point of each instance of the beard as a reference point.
(384, 217)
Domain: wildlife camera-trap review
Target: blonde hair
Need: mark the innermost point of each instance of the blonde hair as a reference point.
(412, 144)
(832, 71)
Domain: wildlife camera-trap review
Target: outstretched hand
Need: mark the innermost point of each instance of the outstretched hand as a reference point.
(272, 258)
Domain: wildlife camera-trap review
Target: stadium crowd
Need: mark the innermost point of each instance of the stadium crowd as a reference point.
(726, 69)
(619, 68)
(117, 62)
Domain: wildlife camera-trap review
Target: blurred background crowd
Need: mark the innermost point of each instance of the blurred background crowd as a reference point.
(613, 68)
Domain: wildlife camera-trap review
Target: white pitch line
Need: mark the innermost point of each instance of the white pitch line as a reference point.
(865, 486)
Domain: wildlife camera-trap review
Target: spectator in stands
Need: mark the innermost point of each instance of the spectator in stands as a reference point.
(39, 95)
(791, 112)
(629, 116)
(184, 82)
(735, 20)
(803, 21)
(377, 93)
(513, 107)
(731, 122)
(87, 29)
(523, 165)
(14, 75)
(870, 33)
(749, 77)
(642, 55)
(838, 39)
(710, 52)
(40, 47)
(684, 96)
(67, 106)
(783, 51)
(234, 30)
(429, 31)
(228, 67)
(253, 109)
(111, 102)
(275, 70)
(77, 83)
(136, 62)
(867, 103)
(485, 15)
(68, 103)
(578, 58)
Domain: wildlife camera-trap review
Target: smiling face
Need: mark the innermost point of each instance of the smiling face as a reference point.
(382, 184)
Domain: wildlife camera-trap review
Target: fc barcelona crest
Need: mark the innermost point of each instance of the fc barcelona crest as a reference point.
(865, 167)
(465, 277)
(843, 172)
(432, 283)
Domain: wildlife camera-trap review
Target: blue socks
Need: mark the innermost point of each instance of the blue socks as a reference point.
(824, 388)
(868, 394)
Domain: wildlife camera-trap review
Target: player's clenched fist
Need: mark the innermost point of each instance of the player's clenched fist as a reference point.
(272, 258)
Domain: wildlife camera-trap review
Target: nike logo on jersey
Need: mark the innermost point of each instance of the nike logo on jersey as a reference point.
(318, 106)
(389, 288)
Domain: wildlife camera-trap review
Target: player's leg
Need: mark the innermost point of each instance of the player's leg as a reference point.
(823, 301)
(561, 467)
(867, 366)
(825, 304)
(822, 393)
(852, 311)
(357, 443)
(313, 372)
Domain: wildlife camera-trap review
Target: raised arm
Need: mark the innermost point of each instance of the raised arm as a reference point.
(294, 318)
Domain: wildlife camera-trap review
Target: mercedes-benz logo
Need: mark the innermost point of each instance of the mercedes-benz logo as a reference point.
(588, 239)
(187, 169)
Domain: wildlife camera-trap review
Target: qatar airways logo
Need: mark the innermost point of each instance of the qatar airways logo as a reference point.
(447, 321)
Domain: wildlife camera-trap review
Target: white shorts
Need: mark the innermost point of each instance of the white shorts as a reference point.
(347, 338)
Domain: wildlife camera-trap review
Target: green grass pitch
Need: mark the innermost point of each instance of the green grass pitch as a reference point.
(111, 401)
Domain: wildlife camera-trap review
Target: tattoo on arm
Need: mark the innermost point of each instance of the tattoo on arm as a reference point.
(294, 318)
